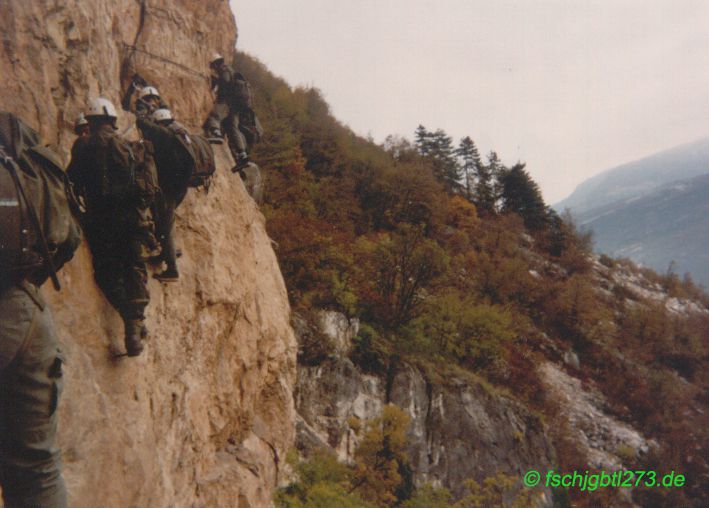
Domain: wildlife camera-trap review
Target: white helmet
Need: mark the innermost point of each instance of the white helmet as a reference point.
(80, 121)
(216, 57)
(162, 114)
(100, 107)
(147, 91)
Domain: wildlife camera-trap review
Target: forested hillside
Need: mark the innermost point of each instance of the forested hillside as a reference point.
(453, 262)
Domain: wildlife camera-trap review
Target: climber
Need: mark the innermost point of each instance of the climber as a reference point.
(172, 159)
(81, 126)
(148, 97)
(33, 188)
(82, 131)
(233, 112)
(118, 183)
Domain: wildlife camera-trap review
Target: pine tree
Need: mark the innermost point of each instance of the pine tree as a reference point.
(423, 141)
(445, 165)
(437, 149)
(468, 153)
(487, 188)
(521, 195)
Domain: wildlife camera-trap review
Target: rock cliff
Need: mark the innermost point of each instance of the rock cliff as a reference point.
(204, 417)
(460, 427)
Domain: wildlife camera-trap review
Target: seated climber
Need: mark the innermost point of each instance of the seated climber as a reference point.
(118, 183)
(232, 112)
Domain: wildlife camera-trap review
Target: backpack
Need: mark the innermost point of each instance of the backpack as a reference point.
(242, 95)
(38, 229)
(144, 170)
(203, 157)
(127, 168)
(250, 127)
(198, 156)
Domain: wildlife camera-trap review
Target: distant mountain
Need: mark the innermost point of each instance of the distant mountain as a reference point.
(669, 224)
(639, 178)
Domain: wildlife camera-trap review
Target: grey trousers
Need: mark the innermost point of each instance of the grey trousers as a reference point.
(165, 205)
(222, 117)
(30, 386)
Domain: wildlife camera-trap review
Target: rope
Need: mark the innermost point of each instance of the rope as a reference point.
(165, 60)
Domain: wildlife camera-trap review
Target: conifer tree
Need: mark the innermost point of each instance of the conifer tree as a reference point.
(423, 140)
(445, 165)
(487, 187)
(437, 149)
(470, 157)
(521, 195)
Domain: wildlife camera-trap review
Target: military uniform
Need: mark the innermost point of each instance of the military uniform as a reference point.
(172, 161)
(118, 223)
(226, 113)
(31, 377)
(30, 386)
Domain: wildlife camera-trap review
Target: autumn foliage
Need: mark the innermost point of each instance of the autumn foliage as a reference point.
(447, 257)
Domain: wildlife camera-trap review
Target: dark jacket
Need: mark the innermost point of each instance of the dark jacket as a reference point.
(172, 155)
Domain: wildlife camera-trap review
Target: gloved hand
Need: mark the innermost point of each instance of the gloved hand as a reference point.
(138, 81)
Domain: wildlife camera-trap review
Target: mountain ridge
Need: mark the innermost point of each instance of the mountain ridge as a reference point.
(639, 177)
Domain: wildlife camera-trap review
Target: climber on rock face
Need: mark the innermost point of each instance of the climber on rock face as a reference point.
(118, 182)
(81, 126)
(148, 100)
(31, 372)
(233, 112)
(172, 162)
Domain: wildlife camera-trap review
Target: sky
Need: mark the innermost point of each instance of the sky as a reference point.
(571, 87)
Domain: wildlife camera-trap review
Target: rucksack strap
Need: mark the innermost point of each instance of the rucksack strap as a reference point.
(11, 165)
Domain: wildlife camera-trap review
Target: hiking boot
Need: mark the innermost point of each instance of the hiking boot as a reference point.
(242, 160)
(135, 331)
(215, 137)
(169, 275)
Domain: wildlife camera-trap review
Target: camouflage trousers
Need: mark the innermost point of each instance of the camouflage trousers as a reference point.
(30, 386)
(120, 247)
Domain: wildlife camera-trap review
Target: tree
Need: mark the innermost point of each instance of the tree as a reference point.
(521, 195)
(396, 271)
(487, 189)
(437, 149)
(471, 164)
(381, 458)
(442, 156)
(322, 482)
(423, 141)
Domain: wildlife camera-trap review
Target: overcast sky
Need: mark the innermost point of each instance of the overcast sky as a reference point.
(571, 87)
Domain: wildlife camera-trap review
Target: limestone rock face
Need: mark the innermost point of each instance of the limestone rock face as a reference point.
(205, 416)
(459, 428)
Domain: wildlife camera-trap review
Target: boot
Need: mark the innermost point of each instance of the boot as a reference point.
(242, 160)
(136, 332)
(169, 275)
(215, 137)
